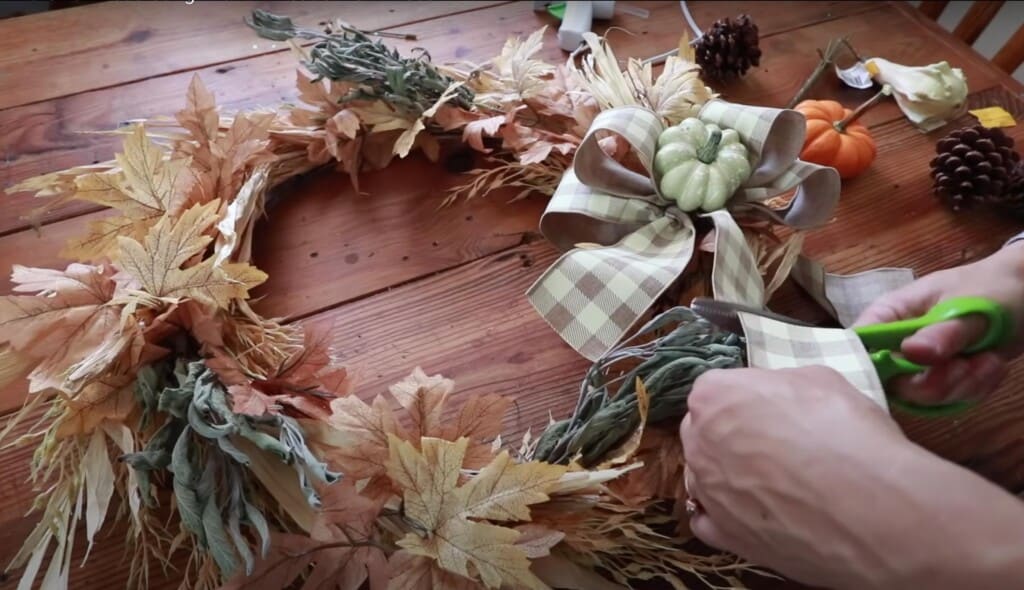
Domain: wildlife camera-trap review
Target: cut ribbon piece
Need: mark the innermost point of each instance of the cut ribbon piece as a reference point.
(592, 296)
(772, 344)
(845, 297)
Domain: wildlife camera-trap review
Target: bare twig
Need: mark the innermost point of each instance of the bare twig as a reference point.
(827, 59)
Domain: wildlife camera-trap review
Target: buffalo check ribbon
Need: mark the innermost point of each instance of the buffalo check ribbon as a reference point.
(846, 296)
(625, 243)
(772, 344)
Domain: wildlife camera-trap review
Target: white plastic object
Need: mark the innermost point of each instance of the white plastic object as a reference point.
(578, 18)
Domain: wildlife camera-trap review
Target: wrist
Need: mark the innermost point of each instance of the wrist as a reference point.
(962, 531)
(1011, 259)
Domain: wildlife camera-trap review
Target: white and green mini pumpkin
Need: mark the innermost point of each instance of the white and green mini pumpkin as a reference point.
(700, 165)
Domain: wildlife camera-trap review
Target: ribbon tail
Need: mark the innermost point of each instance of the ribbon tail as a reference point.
(845, 297)
(735, 277)
(592, 296)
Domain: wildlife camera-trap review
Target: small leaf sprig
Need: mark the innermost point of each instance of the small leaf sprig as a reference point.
(346, 54)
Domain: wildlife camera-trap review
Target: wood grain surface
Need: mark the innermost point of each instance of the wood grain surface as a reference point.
(400, 283)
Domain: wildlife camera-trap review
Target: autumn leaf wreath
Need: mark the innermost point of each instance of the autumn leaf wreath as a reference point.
(232, 445)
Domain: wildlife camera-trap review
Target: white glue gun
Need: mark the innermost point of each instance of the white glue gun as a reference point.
(578, 19)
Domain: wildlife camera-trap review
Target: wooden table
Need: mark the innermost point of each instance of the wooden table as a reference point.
(401, 283)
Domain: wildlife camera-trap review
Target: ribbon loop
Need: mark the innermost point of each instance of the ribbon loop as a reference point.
(640, 128)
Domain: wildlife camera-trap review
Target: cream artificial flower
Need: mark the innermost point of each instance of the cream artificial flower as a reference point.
(929, 96)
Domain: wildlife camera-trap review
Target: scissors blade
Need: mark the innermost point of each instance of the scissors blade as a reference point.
(725, 315)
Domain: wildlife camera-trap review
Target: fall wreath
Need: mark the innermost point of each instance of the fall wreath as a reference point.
(164, 389)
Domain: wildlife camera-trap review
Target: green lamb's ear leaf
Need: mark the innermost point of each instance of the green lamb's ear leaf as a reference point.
(236, 511)
(258, 522)
(175, 400)
(231, 450)
(307, 466)
(189, 506)
(206, 430)
(148, 384)
(240, 543)
(220, 546)
(154, 457)
(265, 442)
(271, 26)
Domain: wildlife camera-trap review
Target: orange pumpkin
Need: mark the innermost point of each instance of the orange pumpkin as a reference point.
(833, 141)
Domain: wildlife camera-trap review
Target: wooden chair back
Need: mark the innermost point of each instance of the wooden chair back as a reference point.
(973, 24)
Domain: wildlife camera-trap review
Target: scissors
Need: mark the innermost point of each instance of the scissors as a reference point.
(882, 341)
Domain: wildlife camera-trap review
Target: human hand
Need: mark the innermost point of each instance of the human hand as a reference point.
(797, 471)
(950, 377)
(784, 465)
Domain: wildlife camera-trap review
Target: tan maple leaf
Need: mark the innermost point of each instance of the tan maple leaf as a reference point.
(68, 326)
(110, 398)
(347, 518)
(144, 186)
(326, 100)
(451, 520)
(423, 398)
(55, 189)
(156, 262)
(415, 572)
(509, 78)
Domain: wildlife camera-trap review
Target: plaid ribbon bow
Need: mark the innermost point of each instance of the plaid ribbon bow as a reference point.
(640, 242)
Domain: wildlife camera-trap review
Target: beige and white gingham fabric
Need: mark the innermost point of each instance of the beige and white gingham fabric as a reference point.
(772, 344)
(734, 277)
(846, 296)
(592, 296)
(634, 243)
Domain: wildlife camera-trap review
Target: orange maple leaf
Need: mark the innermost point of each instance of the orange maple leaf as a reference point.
(359, 441)
(302, 386)
(220, 161)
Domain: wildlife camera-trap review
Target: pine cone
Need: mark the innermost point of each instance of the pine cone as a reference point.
(973, 164)
(728, 48)
(1012, 200)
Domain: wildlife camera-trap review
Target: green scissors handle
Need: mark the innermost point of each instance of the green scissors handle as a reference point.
(881, 340)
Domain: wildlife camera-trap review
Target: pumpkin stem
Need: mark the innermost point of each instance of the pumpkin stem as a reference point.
(884, 92)
(709, 151)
